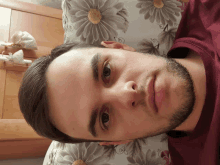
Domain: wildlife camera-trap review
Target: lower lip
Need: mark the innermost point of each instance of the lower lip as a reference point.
(152, 99)
(160, 96)
(162, 93)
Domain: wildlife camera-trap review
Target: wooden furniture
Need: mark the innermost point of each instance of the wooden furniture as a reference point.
(17, 138)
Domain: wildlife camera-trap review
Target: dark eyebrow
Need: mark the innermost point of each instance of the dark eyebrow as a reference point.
(95, 66)
(92, 122)
(95, 70)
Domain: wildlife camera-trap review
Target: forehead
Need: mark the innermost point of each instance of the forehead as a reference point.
(69, 93)
(67, 69)
(68, 63)
(72, 56)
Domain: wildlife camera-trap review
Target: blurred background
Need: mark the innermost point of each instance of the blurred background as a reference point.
(50, 3)
(35, 161)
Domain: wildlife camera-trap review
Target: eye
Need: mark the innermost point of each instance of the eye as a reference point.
(106, 73)
(105, 118)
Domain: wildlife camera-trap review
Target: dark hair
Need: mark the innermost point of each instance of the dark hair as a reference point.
(33, 97)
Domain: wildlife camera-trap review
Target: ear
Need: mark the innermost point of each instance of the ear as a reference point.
(114, 143)
(117, 45)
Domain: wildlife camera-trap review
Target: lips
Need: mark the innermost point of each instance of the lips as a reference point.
(151, 95)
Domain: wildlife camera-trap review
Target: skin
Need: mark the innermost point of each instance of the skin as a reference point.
(73, 93)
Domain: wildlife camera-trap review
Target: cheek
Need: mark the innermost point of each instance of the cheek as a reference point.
(127, 122)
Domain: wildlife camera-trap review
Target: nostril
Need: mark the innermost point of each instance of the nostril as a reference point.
(133, 104)
(133, 86)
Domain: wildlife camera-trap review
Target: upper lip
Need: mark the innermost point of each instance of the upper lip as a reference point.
(151, 94)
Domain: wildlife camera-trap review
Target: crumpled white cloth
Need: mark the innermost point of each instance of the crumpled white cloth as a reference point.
(22, 40)
(17, 57)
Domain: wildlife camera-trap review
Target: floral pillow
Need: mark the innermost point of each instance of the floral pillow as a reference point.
(149, 26)
(152, 151)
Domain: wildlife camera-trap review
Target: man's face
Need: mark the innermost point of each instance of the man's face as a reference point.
(119, 94)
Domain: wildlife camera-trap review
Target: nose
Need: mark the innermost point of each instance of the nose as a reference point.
(124, 95)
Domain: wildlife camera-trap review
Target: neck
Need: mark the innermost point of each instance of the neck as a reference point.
(195, 66)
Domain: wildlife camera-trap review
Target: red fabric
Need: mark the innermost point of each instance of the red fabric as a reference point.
(199, 30)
